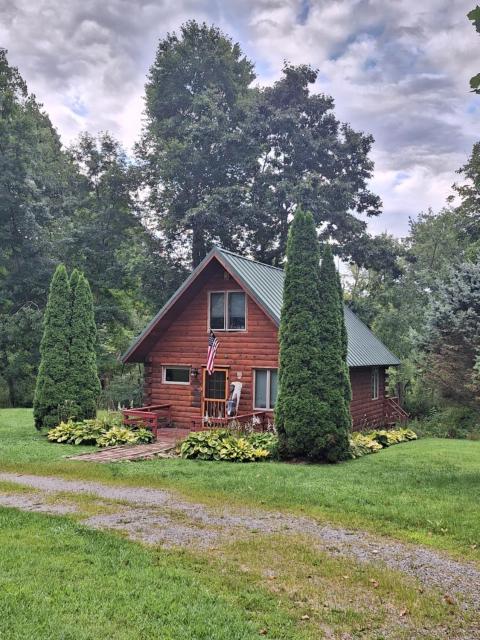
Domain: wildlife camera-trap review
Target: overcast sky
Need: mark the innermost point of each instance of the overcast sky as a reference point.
(398, 69)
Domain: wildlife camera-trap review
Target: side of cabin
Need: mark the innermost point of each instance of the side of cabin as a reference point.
(240, 301)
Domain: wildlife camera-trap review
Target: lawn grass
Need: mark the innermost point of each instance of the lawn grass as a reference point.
(426, 491)
(63, 581)
(59, 580)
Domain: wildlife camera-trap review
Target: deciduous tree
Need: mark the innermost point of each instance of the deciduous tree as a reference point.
(195, 152)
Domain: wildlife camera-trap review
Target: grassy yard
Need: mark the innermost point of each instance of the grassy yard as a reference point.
(426, 491)
(62, 581)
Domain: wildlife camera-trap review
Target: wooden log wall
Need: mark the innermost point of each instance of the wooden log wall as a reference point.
(185, 340)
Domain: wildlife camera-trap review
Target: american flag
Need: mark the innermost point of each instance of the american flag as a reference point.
(212, 351)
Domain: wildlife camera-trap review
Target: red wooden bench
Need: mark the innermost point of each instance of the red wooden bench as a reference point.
(153, 416)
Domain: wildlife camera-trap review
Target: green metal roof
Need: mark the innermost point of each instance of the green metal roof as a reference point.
(265, 285)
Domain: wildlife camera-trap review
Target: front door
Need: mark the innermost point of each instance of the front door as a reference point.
(215, 394)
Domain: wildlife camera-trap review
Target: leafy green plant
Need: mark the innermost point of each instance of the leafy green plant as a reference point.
(264, 440)
(222, 444)
(362, 444)
(106, 431)
(75, 433)
(452, 422)
(123, 435)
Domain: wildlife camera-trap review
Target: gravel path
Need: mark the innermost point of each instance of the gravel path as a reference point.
(160, 516)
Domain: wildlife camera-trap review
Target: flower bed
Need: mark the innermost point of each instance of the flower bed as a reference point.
(234, 446)
(107, 431)
(362, 444)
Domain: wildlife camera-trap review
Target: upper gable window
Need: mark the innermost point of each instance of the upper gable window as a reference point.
(227, 311)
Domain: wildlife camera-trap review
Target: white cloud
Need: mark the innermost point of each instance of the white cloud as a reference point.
(398, 69)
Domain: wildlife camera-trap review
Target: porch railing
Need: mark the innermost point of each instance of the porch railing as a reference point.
(214, 409)
(394, 411)
(153, 416)
(259, 420)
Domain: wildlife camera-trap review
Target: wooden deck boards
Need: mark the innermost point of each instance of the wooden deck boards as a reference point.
(166, 440)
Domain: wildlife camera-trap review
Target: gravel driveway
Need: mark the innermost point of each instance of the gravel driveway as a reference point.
(158, 516)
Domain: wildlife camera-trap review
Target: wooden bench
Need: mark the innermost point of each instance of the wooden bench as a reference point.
(152, 416)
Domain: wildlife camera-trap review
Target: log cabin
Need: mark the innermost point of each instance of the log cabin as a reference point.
(240, 300)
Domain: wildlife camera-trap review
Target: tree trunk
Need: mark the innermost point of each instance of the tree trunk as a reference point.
(11, 392)
(199, 250)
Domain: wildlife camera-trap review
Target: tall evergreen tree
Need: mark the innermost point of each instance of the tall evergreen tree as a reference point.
(299, 406)
(52, 387)
(345, 373)
(85, 384)
(312, 412)
(335, 389)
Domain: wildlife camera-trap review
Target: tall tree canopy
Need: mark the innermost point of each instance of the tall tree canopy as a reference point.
(452, 338)
(226, 162)
(34, 187)
(307, 159)
(78, 207)
(196, 156)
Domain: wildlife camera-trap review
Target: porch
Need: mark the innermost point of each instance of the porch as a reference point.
(158, 418)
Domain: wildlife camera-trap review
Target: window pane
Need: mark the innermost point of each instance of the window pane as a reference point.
(177, 374)
(215, 385)
(217, 311)
(273, 387)
(236, 310)
(261, 389)
(375, 383)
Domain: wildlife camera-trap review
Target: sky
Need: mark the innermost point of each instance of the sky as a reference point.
(398, 69)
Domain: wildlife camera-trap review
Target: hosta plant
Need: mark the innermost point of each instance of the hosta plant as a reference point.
(363, 443)
(105, 431)
(123, 435)
(222, 444)
(75, 433)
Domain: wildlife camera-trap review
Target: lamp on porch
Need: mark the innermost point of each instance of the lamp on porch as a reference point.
(194, 372)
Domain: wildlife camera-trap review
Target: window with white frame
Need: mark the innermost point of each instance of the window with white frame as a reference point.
(176, 374)
(266, 388)
(227, 311)
(375, 383)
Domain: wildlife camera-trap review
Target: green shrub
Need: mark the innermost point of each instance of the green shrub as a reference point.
(451, 422)
(222, 444)
(53, 385)
(362, 444)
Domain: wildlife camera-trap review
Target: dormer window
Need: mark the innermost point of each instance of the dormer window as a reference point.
(227, 311)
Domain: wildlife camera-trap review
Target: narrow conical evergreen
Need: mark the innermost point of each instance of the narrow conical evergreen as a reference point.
(52, 387)
(345, 375)
(84, 381)
(74, 278)
(300, 410)
(332, 444)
